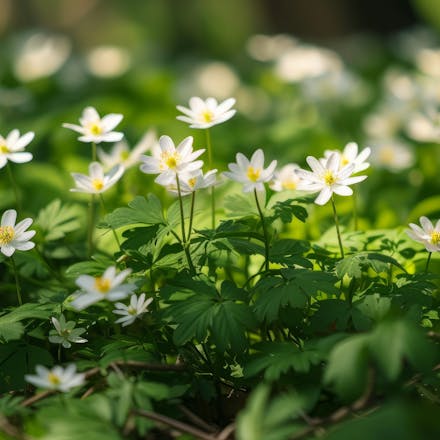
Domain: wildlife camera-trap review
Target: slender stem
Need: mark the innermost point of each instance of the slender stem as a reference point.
(428, 261)
(101, 198)
(182, 224)
(355, 214)
(17, 283)
(338, 232)
(91, 225)
(191, 214)
(209, 147)
(266, 236)
(14, 186)
(93, 151)
(59, 353)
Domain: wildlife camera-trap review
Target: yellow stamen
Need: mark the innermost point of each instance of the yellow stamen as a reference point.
(95, 128)
(329, 178)
(102, 285)
(253, 174)
(192, 182)
(53, 379)
(98, 184)
(4, 149)
(289, 184)
(170, 160)
(124, 155)
(207, 116)
(131, 311)
(386, 155)
(344, 161)
(7, 234)
(435, 237)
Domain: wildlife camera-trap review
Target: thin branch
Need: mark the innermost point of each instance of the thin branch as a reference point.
(36, 398)
(226, 432)
(173, 423)
(197, 420)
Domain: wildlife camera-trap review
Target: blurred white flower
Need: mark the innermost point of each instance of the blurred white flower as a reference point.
(95, 129)
(424, 127)
(120, 153)
(58, 378)
(14, 236)
(97, 182)
(205, 114)
(286, 178)
(303, 62)
(215, 79)
(191, 182)
(41, 56)
(350, 155)
(108, 286)
(269, 47)
(251, 173)
(12, 147)
(391, 154)
(428, 234)
(167, 160)
(108, 61)
(136, 308)
(65, 332)
(328, 178)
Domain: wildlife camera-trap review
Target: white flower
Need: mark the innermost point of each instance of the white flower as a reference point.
(191, 182)
(350, 155)
(205, 114)
(95, 129)
(137, 307)
(428, 235)
(14, 236)
(65, 332)
(286, 178)
(328, 178)
(167, 160)
(120, 154)
(97, 182)
(108, 286)
(11, 147)
(392, 154)
(251, 174)
(58, 378)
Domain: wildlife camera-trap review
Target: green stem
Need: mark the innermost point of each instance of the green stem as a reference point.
(91, 225)
(338, 232)
(59, 353)
(209, 147)
(14, 186)
(182, 224)
(101, 198)
(428, 261)
(266, 236)
(17, 283)
(93, 152)
(191, 214)
(355, 215)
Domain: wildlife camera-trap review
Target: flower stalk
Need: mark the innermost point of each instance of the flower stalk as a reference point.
(338, 232)
(265, 233)
(209, 148)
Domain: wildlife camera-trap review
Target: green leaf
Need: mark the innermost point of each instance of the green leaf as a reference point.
(292, 289)
(57, 220)
(239, 205)
(286, 210)
(141, 210)
(289, 252)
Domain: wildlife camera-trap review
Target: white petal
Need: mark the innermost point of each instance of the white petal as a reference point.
(23, 141)
(9, 217)
(342, 190)
(23, 225)
(89, 114)
(324, 196)
(74, 127)
(226, 105)
(426, 224)
(21, 157)
(26, 246)
(110, 121)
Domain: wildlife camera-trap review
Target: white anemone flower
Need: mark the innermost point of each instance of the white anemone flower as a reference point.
(286, 178)
(168, 160)
(428, 234)
(97, 182)
(57, 379)
(205, 114)
(120, 153)
(11, 147)
(65, 332)
(392, 154)
(251, 174)
(351, 155)
(108, 286)
(328, 178)
(14, 236)
(191, 182)
(136, 308)
(95, 129)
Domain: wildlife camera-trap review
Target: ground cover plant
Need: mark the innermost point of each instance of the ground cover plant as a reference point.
(190, 287)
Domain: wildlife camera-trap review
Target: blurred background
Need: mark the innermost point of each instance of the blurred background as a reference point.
(308, 75)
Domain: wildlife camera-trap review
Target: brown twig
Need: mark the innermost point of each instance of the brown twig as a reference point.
(173, 423)
(197, 420)
(10, 430)
(35, 398)
(226, 432)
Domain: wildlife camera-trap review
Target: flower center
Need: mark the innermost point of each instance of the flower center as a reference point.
(131, 310)
(253, 174)
(207, 116)
(289, 184)
(170, 160)
(435, 237)
(102, 285)
(344, 161)
(7, 234)
(4, 149)
(329, 178)
(98, 184)
(124, 155)
(387, 155)
(192, 182)
(95, 128)
(53, 379)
